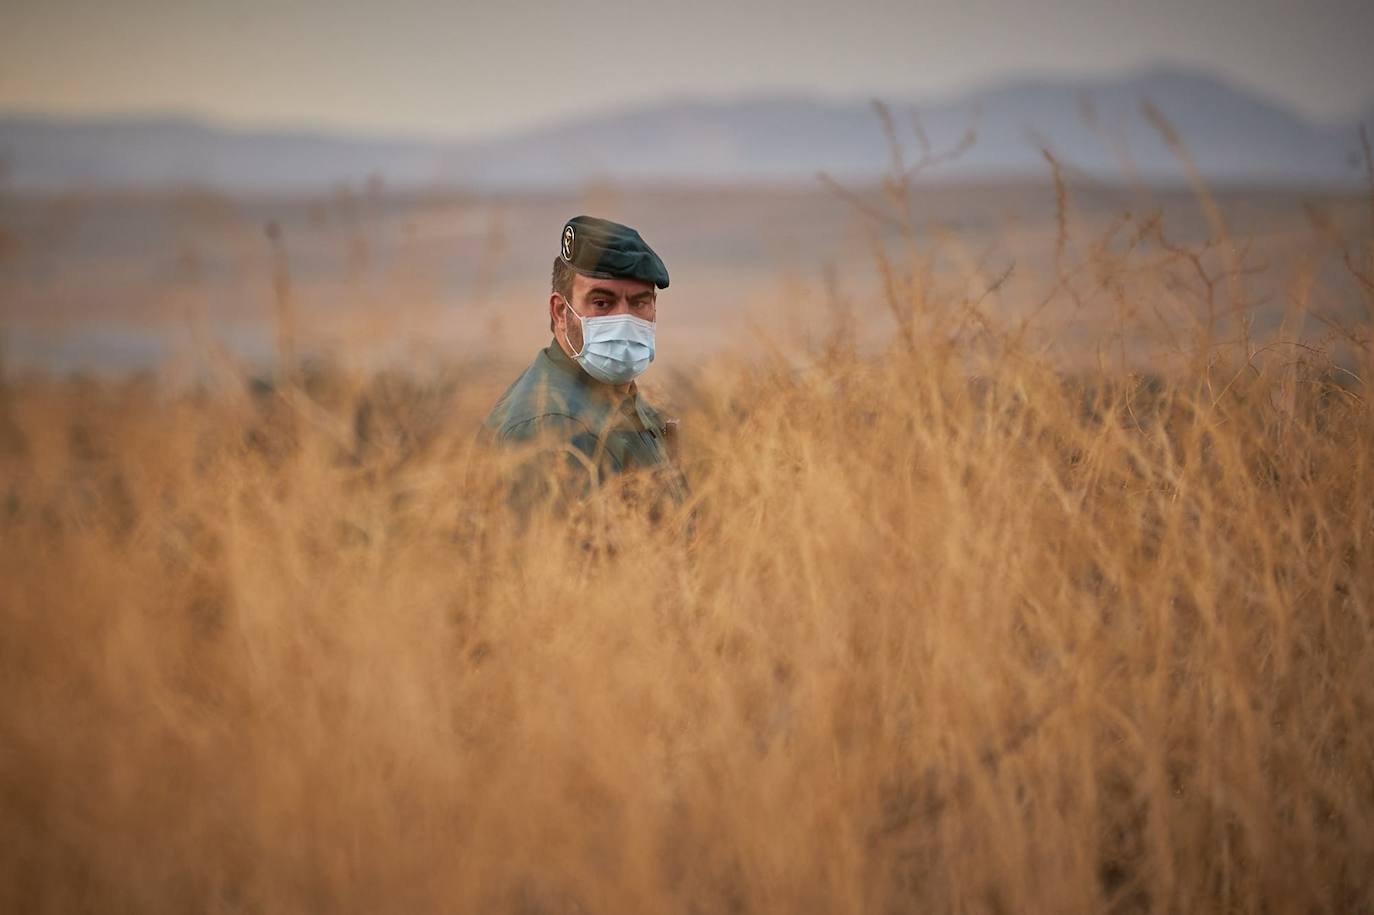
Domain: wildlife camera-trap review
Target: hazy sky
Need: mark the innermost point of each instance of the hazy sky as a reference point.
(466, 69)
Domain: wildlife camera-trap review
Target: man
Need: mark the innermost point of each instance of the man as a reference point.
(577, 407)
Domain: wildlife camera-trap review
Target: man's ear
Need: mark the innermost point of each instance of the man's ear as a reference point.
(554, 299)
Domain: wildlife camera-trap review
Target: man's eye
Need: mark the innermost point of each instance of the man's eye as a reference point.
(602, 303)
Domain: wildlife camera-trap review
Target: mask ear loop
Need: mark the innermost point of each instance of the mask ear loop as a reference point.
(568, 307)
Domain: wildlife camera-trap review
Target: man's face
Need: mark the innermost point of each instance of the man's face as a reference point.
(593, 297)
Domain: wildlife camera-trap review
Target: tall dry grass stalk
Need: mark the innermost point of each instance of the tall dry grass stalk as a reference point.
(944, 628)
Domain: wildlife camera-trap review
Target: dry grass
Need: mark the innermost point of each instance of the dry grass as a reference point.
(949, 628)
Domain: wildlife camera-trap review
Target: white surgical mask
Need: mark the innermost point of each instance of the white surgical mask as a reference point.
(615, 348)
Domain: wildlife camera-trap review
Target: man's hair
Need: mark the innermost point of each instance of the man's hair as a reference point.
(562, 282)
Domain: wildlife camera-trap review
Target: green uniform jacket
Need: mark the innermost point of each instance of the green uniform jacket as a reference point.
(597, 431)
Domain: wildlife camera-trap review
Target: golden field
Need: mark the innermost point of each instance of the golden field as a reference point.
(958, 617)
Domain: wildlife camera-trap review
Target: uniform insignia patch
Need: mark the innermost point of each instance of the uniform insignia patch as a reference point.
(568, 243)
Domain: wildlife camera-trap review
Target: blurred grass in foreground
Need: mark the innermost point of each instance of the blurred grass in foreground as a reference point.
(955, 628)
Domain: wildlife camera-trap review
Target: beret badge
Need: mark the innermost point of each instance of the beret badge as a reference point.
(568, 238)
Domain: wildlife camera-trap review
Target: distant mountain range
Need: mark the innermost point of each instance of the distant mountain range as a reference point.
(1095, 127)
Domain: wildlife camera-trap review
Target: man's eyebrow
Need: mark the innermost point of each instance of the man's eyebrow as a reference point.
(611, 293)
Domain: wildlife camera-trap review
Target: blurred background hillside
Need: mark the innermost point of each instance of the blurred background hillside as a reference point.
(418, 164)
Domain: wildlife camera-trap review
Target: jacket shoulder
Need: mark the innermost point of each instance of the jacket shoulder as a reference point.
(539, 400)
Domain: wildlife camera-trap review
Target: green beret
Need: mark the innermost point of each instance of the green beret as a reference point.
(599, 247)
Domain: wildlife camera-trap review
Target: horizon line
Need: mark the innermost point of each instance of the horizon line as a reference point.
(361, 132)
